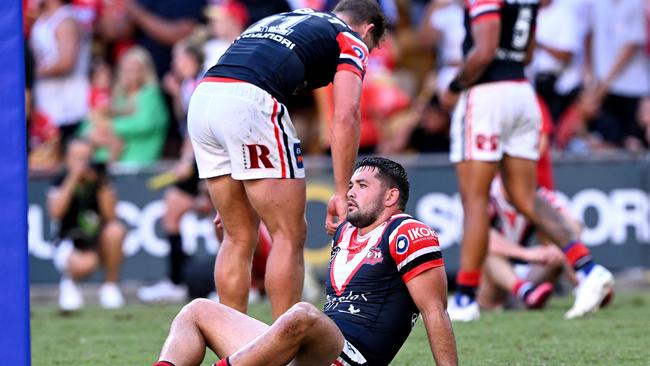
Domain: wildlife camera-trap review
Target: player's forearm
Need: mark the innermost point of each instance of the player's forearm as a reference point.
(344, 145)
(623, 58)
(441, 337)
(475, 65)
(160, 29)
(499, 245)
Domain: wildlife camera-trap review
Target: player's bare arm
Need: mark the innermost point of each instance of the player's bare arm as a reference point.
(344, 141)
(486, 33)
(429, 292)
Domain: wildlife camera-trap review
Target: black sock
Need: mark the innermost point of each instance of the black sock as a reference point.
(176, 259)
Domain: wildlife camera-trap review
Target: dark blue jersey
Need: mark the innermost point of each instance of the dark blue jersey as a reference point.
(367, 296)
(289, 53)
(518, 20)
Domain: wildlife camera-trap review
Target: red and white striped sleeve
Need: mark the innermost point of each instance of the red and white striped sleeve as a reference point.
(354, 54)
(415, 249)
(480, 10)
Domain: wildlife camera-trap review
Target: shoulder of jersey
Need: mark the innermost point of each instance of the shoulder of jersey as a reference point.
(406, 231)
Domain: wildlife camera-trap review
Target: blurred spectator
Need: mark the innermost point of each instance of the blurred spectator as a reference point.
(442, 29)
(573, 128)
(258, 9)
(185, 194)
(62, 55)
(155, 25)
(620, 67)
(644, 118)
(558, 56)
(138, 117)
(83, 202)
(226, 21)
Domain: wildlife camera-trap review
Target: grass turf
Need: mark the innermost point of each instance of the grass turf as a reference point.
(133, 336)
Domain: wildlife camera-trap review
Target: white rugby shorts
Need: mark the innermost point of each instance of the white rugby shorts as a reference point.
(239, 129)
(496, 118)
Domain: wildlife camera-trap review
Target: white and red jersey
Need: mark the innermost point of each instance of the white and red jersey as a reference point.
(507, 220)
(366, 289)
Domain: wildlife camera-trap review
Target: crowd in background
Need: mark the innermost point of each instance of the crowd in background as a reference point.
(119, 73)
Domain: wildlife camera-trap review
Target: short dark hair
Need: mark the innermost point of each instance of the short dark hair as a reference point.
(364, 11)
(391, 173)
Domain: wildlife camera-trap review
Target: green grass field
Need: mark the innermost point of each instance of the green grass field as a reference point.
(618, 335)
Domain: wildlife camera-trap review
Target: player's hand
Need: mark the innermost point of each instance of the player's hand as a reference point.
(448, 100)
(546, 254)
(336, 211)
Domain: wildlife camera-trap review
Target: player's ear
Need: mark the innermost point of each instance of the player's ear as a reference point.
(366, 34)
(391, 198)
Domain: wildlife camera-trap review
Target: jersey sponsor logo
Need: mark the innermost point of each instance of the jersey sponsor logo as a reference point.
(254, 154)
(272, 36)
(297, 152)
(419, 232)
(333, 302)
(402, 244)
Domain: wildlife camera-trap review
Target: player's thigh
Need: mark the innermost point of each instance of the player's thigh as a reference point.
(474, 179)
(477, 123)
(280, 204)
(519, 177)
(238, 217)
(225, 330)
(539, 273)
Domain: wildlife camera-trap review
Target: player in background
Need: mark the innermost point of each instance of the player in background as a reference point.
(385, 270)
(496, 126)
(246, 146)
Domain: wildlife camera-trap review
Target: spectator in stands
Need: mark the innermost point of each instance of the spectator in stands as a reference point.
(141, 119)
(442, 29)
(226, 21)
(62, 54)
(83, 201)
(621, 69)
(156, 26)
(184, 195)
(258, 9)
(644, 118)
(559, 55)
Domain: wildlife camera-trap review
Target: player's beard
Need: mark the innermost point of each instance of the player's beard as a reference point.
(363, 218)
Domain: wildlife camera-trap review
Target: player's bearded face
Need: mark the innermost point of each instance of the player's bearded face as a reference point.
(365, 202)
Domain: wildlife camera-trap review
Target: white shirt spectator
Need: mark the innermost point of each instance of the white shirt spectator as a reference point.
(449, 21)
(64, 99)
(614, 25)
(558, 28)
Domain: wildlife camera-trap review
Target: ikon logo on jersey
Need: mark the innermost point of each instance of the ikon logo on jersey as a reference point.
(420, 232)
(256, 156)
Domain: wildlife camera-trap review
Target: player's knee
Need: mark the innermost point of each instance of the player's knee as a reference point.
(114, 230)
(299, 318)
(195, 309)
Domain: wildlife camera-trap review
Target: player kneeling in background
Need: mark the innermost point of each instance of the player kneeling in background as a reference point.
(514, 265)
(83, 201)
(385, 270)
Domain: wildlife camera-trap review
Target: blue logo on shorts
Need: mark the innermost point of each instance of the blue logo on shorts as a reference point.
(297, 152)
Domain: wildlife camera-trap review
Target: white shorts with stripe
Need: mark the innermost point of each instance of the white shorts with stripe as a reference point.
(496, 118)
(350, 356)
(239, 129)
